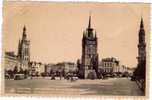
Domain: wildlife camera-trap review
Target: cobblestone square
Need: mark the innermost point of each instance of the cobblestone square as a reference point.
(111, 86)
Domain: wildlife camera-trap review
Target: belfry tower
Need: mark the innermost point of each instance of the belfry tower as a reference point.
(24, 50)
(140, 71)
(89, 58)
(141, 51)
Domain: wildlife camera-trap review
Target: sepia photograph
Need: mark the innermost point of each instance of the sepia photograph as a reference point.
(75, 48)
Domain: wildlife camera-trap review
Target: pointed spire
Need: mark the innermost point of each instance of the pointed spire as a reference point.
(19, 47)
(89, 26)
(24, 28)
(141, 23)
(24, 32)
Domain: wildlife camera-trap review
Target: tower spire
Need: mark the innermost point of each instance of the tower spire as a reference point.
(24, 32)
(19, 46)
(24, 28)
(141, 23)
(89, 26)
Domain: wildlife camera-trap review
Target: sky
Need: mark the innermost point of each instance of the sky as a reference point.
(55, 30)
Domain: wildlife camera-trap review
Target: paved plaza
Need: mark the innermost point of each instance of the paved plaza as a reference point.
(112, 86)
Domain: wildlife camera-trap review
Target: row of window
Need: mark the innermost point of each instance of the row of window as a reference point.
(110, 64)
